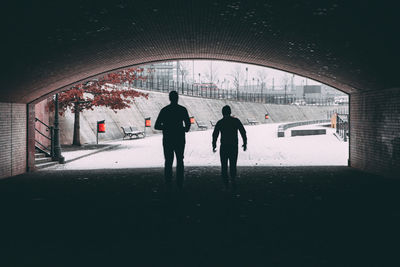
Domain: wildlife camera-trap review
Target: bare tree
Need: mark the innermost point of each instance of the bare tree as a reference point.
(237, 76)
(212, 73)
(262, 76)
(184, 70)
(285, 80)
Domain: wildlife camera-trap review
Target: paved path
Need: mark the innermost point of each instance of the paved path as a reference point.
(280, 216)
(264, 149)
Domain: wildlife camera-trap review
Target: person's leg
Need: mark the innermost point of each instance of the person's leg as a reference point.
(233, 155)
(224, 165)
(179, 152)
(169, 159)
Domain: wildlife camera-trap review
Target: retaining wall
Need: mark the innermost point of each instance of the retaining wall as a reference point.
(202, 109)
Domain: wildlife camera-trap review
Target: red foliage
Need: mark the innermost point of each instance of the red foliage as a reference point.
(103, 92)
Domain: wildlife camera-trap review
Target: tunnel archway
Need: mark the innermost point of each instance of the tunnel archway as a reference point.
(206, 107)
(48, 50)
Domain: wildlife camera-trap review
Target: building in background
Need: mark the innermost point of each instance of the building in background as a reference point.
(160, 72)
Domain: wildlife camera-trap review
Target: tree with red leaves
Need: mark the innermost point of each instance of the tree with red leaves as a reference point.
(101, 92)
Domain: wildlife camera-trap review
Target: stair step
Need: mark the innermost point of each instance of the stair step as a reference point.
(42, 160)
(40, 155)
(46, 164)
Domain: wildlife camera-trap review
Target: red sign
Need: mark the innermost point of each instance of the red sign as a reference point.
(266, 116)
(192, 120)
(101, 126)
(147, 122)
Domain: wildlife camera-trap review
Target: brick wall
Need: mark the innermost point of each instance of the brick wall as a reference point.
(43, 114)
(13, 137)
(375, 131)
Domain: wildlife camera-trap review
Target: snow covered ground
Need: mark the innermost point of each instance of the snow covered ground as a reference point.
(264, 149)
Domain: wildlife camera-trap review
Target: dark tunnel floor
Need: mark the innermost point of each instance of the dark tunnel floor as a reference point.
(289, 216)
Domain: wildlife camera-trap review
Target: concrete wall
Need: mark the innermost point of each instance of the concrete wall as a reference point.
(13, 136)
(375, 131)
(202, 109)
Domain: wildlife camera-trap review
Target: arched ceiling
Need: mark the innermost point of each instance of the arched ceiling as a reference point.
(351, 45)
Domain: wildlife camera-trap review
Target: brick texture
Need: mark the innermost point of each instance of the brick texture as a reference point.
(337, 44)
(13, 132)
(375, 131)
(43, 114)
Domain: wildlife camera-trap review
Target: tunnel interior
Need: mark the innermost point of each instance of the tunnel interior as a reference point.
(301, 216)
(335, 42)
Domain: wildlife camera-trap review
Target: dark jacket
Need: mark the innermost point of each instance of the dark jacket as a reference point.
(174, 121)
(229, 127)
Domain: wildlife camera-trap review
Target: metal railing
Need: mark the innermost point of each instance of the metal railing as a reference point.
(333, 112)
(342, 126)
(47, 149)
(199, 90)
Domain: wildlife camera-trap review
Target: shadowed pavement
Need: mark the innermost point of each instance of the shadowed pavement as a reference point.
(280, 216)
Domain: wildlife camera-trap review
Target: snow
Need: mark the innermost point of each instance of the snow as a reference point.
(264, 149)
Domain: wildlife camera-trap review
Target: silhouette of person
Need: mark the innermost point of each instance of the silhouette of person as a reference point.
(229, 127)
(174, 121)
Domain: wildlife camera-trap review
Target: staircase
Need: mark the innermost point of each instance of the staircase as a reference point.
(44, 145)
(43, 161)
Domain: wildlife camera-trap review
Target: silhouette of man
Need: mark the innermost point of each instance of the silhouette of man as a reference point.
(174, 121)
(229, 127)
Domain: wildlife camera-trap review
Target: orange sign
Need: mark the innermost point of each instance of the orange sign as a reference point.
(192, 120)
(101, 126)
(147, 122)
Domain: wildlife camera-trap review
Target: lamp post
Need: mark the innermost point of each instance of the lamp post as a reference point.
(57, 147)
(211, 73)
(262, 93)
(285, 94)
(247, 79)
(199, 89)
(193, 70)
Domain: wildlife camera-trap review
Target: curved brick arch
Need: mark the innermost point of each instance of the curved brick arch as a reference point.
(51, 46)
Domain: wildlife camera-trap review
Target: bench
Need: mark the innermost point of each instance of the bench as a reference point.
(201, 125)
(213, 123)
(304, 132)
(252, 121)
(131, 131)
(283, 127)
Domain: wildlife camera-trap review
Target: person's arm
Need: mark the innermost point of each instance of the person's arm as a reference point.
(160, 121)
(215, 136)
(187, 121)
(243, 134)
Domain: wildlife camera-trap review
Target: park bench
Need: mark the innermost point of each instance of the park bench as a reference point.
(252, 121)
(131, 131)
(213, 123)
(201, 125)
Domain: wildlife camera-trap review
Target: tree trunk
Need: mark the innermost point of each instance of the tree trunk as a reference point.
(77, 138)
